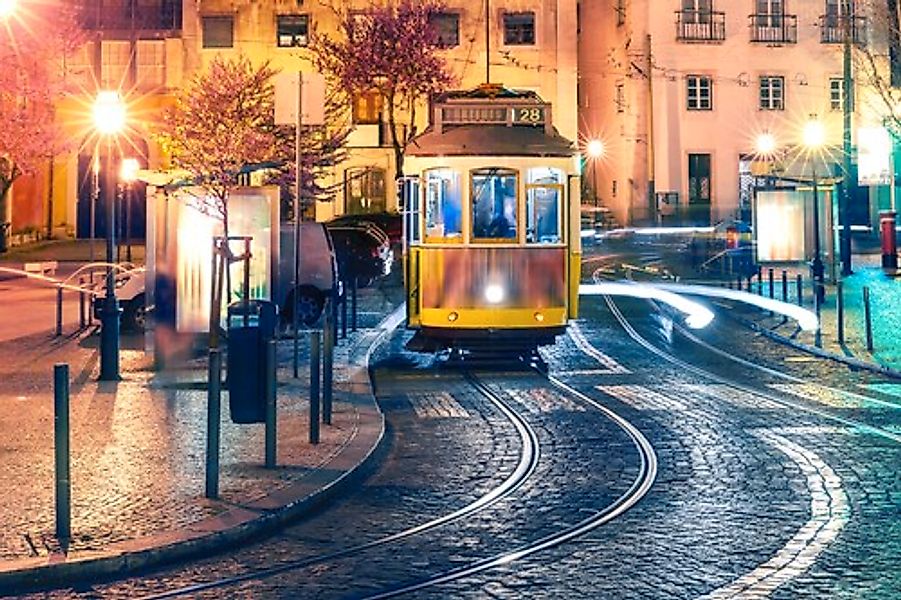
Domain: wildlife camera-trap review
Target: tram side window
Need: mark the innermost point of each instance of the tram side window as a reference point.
(444, 204)
(494, 204)
(544, 193)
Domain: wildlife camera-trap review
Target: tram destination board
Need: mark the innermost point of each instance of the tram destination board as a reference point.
(527, 115)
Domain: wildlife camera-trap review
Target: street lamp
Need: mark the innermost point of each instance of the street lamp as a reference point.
(127, 174)
(109, 114)
(595, 150)
(814, 136)
(7, 8)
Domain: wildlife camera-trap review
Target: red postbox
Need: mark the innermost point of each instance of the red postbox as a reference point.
(889, 244)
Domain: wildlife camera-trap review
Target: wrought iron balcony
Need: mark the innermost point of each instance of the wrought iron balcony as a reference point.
(700, 26)
(833, 29)
(772, 28)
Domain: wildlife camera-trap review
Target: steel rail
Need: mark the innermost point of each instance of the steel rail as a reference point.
(525, 468)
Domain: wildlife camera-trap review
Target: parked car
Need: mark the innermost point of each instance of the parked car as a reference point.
(131, 296)
(318, 273)
(390, 223)
(363, 251)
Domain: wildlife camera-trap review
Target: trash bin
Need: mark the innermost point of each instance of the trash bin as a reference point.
(246, 379)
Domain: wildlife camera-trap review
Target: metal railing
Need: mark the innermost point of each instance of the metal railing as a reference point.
(700, 26)
(773, 28)
(833, 29)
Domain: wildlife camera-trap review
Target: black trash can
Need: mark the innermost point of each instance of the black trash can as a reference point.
(247, 358)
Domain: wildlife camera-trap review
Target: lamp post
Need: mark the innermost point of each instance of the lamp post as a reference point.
(814, 137)
(128, 173)
(7, 8)
(595, 150)
(109, 119)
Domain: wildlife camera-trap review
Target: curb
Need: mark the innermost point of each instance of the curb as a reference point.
(848, 360)
(237, 525)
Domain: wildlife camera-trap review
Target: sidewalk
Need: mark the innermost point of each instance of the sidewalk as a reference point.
(885, 315)
(138, 456)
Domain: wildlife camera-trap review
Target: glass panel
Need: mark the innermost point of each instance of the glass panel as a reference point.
(543, 214)
(412, 204)
(544, 175)
(218, 32)
(494, 204)
(444, 204)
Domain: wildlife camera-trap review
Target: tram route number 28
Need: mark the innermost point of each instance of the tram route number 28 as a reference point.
(530, 114)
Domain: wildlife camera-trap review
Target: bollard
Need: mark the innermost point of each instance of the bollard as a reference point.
(759, 280)
(344, 313)
(59, 310)
(271, 414)
(840, 311)
(818, 336)
(769, 277)
(61, 451)
(314, 387)
(213, 408)
(867, 318)
(800, 281)
(334, 306)
(328, 343)
(748, 289)
(353, 306)
(784, 286)
(82, 321)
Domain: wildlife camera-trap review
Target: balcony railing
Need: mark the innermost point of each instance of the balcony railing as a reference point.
(700, 26)
(834, 27)
(774, 28)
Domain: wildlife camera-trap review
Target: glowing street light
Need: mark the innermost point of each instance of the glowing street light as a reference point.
(7, 8)
(766, 144)
(595, 148)
(109, 115)
(814, 137)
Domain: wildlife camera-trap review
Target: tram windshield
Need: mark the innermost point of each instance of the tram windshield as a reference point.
(444, 204)
(493, 204)
(544, 194)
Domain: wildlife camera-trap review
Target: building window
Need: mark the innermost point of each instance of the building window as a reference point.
(700, 92)
(447, 28)
(115, 57)
(837, 94)
(770, 13)
(364, 191)
(292, 30)
(620, 98)
(772, 93)
(699, 179)
(620, 12)
(519, 29)
(151, 56)
(367, 108)
(219, 32)
(697, 11)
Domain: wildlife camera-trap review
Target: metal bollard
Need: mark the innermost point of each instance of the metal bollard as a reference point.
(314, 386)
(784, 286)
(867, 318)
(759, 280)
(61, 451)
(213, 412)
(770, 280)
(818, 336)
(800, 282)
(271, 414)
(840, 311)
(59, 310)
(353, 307)
(82, 320)
(328, 343)
(344, 313)
(748, 289)
(334, 307)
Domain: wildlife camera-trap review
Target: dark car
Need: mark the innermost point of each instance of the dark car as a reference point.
(363, 252)
(390, 223)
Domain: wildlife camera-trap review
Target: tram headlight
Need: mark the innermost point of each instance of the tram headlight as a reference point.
(494, 294)
(452, 316)
(538, 316)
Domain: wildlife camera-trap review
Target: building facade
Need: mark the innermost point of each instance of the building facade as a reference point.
(683, 91)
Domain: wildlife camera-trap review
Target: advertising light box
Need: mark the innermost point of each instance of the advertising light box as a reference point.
(779, 225)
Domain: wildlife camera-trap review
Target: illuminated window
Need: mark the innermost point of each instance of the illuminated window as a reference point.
(365, 191)
(115, 56)
(447, 26)
(519, 29)
(219, 31)
(367, 108)
(292, 30)
(494, 204)
(151, 56)
(837, 94)
(444, 204)
(544, 198)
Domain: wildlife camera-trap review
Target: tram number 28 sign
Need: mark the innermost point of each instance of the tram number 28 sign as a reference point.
(528, 115)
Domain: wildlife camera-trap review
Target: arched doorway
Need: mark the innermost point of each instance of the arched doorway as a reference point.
(98, 187)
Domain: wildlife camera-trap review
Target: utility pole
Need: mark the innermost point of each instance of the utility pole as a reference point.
(847, 98)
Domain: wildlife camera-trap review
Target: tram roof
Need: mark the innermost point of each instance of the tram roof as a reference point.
(489, 140)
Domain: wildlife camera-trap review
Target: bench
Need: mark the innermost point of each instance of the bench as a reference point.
(47, 267)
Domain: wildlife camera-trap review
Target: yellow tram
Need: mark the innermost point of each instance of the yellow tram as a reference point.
(491, 224)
